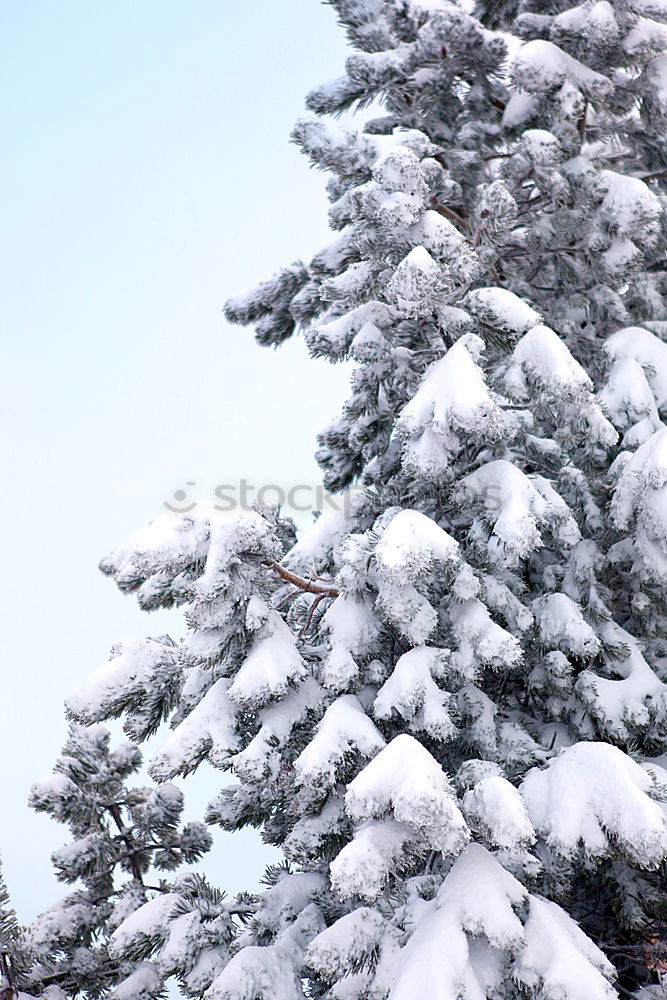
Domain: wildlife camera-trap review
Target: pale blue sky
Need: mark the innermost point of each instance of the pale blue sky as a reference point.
(146, 175)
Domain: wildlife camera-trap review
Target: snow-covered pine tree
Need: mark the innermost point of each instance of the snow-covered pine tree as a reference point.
(447, 703)
(13, 961)
(123, 838)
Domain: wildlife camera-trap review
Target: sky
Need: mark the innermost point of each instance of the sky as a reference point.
(146, 175)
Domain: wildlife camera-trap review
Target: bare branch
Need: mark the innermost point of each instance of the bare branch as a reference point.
(308, 586)
(311, 612)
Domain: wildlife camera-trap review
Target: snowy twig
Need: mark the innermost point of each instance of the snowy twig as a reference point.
(311, 612)
(497, 156)
(652, 175)
(125, 835)
(448, 213)
(581, 124)
(286, 600)
(8, 992)
(308, 586)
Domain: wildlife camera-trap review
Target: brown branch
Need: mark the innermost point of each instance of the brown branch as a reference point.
(448, 213)
(127, 837)
(311, 612)
(497, 156)
(8, 992)
(581, 124)
(651, 176)
(286, 600)
(535, 271)
(307, 586)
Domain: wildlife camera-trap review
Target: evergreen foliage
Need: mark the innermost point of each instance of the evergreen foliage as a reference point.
(13, 960)
(123, 838)
(446, 704)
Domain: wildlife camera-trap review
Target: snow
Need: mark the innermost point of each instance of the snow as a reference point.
(370, 345)
(518, 506)
(363, 865)
(480, 641)
(628, 395)
(484, 895)
(476, 912)
(142, 984)
(261, 756)
(272, 666)
(310, 833)
(256, 300)
(210, 730)
(352, 283)
(622, 705)
(620, 256)
(452, 401)
(344, 726)
(405, 779)
(411, 544)
(348, 943)
(597, 20)
(498, 597)
(292, 893)
(181, 943)
(53, 793)
(335, 336)
(415, 281)
(270, 972)
(494, 808)
(317, 544)
(541, 358)
(353, 629)
(648, 351)
(410, 547)
(333, 257)
(657, 80)
(542, 147)
(398, 169)
(412, 692)
(541, 67)
(147, 922)
(628, 203)
(64, 919)
(502, 310)
(174, 542)
(439, 236)
(561, 625)
(594, 795)
(136, 667)
(645, 34)
(558, 958)
(474, 906)
(639, 504)
(520, 108)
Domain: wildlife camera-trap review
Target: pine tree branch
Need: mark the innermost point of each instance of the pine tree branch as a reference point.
(581, 124)
(497, 156)
(448, 213)
(287, 600)
(307, 586)
(311, 612)
(8, 992)
(127, 837)
(242, 909)
(652, 175)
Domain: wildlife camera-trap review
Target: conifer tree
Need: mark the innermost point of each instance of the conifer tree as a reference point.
(123, 838)
(447, 704)
(13, 960)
